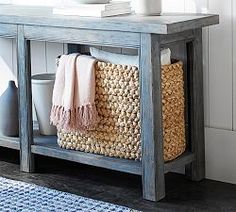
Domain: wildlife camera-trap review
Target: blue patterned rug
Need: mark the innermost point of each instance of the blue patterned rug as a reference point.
(20, 196)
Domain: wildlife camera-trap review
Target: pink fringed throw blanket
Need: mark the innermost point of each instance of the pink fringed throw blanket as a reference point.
(74, 94)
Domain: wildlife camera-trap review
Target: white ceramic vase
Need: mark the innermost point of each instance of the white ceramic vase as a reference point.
(42, 89)
(148, 7)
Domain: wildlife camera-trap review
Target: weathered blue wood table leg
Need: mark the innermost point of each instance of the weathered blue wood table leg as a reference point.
(25, 102)
(153, 165)
(196, 170)
(151, 119)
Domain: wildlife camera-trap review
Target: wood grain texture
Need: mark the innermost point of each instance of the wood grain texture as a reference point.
(151, 119)
(129, 51)
(8, 31)
(196, 171)
(177, 37)
(112, 49)
(47, 145)
(10, 142)
(81, 36)
(25, 102)
(180, 162)
(167, 23)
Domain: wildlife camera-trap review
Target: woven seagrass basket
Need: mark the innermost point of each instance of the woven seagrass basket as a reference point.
(118, 104)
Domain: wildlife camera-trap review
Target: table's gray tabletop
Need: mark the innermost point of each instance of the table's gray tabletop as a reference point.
(165, 24)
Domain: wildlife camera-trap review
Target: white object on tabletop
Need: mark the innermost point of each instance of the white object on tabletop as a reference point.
(90, 13)
(92, 1)
(148, 7)
(93, 10)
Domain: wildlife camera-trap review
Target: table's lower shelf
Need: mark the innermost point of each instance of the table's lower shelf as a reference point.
(10, 142)
(47, 146)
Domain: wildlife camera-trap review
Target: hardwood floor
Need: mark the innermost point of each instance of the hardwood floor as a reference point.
(118, 188)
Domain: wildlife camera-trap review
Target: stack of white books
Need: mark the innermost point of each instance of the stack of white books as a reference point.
(95, 10)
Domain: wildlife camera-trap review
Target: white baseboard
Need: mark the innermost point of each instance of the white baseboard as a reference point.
(221, 155)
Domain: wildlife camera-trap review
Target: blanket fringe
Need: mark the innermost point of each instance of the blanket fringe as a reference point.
(79, 119)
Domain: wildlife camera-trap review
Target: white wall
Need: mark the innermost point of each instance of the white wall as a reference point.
(219, 78)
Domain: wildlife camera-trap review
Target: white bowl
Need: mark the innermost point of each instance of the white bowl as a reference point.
(92, 1)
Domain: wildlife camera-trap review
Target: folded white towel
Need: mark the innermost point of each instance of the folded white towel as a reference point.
(123, 59)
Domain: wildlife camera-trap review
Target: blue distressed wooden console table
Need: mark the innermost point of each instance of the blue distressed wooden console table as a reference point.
(148, 35)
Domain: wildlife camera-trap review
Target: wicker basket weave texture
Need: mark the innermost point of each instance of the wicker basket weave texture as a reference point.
(118, 104)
